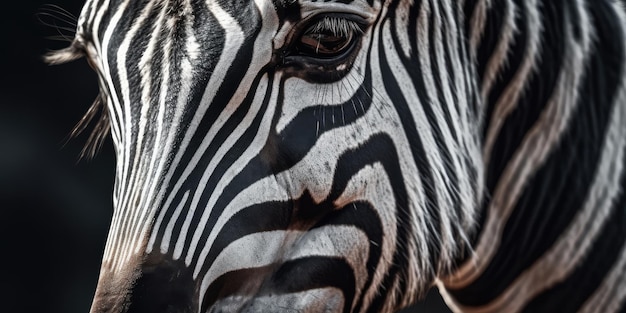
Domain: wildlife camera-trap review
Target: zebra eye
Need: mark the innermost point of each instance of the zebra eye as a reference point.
(328, 37)
(323, 44)
(322, 49)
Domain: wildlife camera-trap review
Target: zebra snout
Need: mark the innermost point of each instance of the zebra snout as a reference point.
(327, 300)
(165, 288)
(154, 285)
(107, 304)
(229, 305)
(112, 292)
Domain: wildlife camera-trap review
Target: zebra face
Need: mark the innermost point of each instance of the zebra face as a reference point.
(273, 156)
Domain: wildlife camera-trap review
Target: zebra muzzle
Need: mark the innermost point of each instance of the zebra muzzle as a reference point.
(326, 300)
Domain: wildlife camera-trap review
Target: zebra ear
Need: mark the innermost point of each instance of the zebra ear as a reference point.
(68, 54)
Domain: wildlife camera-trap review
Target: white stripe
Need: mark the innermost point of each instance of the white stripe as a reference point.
(264, 190)
(117, 111)
(233, 41)
(508, 100)
(498, 59)
(318, 95)
(137, 174)
(251, 151)
(372, 185)
(158, 148)
(321, 300)
(254, 250)
(339, 241)
(434, 159)
(167, 236)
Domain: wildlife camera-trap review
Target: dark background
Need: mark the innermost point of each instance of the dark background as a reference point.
(55, 208)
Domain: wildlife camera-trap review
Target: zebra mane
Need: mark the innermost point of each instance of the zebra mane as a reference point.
(64, 23)
(96, 111)
(62, 56)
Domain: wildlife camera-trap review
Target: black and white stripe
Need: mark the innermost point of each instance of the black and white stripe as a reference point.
(477, 146)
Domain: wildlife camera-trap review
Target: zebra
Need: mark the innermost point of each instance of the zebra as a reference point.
(351, 155)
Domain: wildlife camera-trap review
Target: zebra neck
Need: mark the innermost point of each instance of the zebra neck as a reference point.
(554, 144)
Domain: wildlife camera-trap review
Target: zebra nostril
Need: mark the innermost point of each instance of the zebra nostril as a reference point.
(165, 288)
(229, 305)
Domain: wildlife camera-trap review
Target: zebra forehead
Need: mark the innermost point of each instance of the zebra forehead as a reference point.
(292, 10)
(307, 7)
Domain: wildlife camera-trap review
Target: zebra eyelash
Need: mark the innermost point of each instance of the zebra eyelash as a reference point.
(335, 25)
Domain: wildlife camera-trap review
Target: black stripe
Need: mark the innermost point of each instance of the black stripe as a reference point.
(136, 49)
(363, 216)
(214, 41)
(106, 12)
(490, 38)
(603, 80)
(268, 216)
(120, 33)
(451, 26)
(360, 214)
(444, 153)
(285, 149)
(232, 284)
(530, 104)
(556, 192)
(282, 150)
(229, 158)
(570, 294)
(279, 216)
(399, 266)
(410, 129)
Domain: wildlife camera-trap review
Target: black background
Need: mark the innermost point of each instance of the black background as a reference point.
(55, 208)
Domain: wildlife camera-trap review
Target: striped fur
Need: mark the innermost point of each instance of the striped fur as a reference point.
(474, 145)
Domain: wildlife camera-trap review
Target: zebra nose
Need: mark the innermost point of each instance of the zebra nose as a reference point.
(107, 304)
(229, 305)
(150, 285)
(165, 288)
(113, 289)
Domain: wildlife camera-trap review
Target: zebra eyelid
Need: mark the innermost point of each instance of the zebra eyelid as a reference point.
(336, 25)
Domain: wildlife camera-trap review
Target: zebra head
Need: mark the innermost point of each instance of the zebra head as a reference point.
(286, 155)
